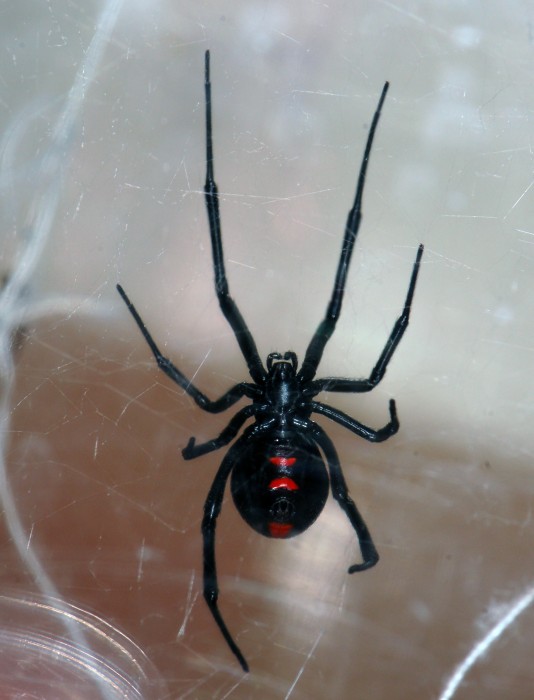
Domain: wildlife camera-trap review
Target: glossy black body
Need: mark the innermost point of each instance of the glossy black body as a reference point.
(279, 482)
(283, 463)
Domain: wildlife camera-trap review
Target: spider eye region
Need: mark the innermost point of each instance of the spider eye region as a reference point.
(279, 487)
(288, 358)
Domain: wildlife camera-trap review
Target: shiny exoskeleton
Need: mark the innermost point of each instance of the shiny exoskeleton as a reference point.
(283, 464)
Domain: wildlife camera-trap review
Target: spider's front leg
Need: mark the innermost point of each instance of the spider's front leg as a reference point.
(328, 324)
(228, 306)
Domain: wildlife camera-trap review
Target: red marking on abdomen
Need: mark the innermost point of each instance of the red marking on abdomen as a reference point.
(280, 530)
(283, 483)
(283, 461)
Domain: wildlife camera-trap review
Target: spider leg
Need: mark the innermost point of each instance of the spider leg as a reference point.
(192, 450)
(228, 434)
(212, 508)
(401, 324)
(328, 324)
(227, 304)
(225, 401)
(355, 426)
(341, 494)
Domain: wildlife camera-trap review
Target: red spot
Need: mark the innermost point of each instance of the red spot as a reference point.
(280, 530)
(283, 461)
(283, 483)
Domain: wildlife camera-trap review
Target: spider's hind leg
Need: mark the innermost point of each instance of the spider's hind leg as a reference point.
(212, 508)
(341, 494)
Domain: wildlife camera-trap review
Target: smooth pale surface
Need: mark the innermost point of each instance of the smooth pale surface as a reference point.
(101, 498)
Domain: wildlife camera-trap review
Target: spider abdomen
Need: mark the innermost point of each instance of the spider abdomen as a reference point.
(279, 482)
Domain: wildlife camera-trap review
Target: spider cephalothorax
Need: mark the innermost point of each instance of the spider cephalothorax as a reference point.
(282, 465)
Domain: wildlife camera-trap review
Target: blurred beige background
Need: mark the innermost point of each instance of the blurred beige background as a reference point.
(100, 490)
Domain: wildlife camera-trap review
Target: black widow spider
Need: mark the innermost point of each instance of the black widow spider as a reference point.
(279, 481)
